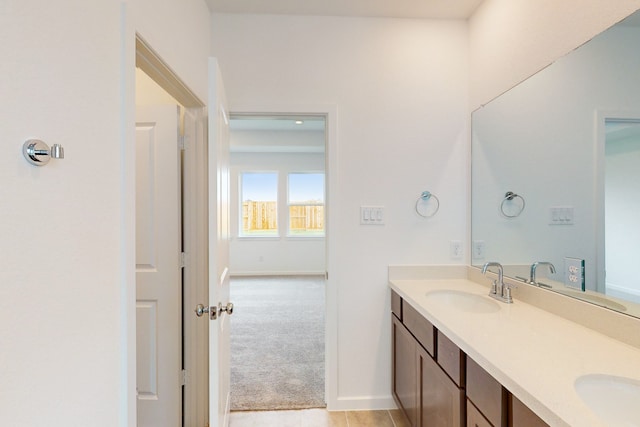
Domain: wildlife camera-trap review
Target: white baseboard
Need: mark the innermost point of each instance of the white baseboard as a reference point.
(362, 403)
(623, 292)
(276, 273)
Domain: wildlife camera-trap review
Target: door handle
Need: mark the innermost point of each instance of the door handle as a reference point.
(226, 308)
(214, 312)
(201, 310)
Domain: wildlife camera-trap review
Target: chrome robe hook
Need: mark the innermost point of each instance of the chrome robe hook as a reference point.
(38, 153)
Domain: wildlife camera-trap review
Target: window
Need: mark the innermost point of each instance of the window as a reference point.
(306, 204)
(259, 196)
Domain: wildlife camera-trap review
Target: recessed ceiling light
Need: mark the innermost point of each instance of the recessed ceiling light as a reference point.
(299, 122)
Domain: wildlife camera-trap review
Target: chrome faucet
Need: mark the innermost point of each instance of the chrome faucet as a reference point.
(499, 290)
(534, 266)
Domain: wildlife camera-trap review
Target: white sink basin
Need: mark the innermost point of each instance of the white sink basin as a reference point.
(464, 301)
(616, 400)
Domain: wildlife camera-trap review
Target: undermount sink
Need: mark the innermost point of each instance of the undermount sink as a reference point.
(616, 400)
(464, 301)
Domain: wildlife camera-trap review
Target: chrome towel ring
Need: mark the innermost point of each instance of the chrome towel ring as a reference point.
(424, 202)
(506, 205)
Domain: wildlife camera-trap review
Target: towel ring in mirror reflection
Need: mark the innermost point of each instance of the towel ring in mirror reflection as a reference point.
(510, 207)
(427, 204)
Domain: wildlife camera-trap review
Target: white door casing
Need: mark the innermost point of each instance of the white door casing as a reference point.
(219, 233)
(196, 273)
(158, 276)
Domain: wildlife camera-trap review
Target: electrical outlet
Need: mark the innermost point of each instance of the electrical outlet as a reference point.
(478, 249)
(574, 273)
(455, 249)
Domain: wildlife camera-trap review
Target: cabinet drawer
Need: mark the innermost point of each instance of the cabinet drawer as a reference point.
(396, 305)
(486, 394)
(475, 418)
(522, 416)
(420, 327)
(451, 359)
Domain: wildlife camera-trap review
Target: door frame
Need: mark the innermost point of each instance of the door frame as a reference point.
(601, 118)
(195, 237)
(330, 113)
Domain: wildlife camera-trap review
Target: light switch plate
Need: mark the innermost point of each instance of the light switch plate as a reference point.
(372, 215)
(574, 273)
(561, 215)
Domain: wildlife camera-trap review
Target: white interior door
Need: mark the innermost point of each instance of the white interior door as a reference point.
(158, 277)
(219, 232)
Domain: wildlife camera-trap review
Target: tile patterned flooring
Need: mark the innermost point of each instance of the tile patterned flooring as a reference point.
(319, 418)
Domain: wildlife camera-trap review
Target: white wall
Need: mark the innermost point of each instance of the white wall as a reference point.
(401, 89)
(401, 96)
(179, 31)
(273, 255)
(66, 293)
(512, 39)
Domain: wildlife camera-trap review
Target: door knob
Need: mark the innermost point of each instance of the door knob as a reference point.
(214, 312)
(226, 308)
(202, 309)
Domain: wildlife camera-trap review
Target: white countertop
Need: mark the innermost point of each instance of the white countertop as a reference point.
(536, 355)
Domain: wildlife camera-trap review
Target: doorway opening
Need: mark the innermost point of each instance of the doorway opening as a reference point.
(158, 86)
(621, 195)
(278, 260)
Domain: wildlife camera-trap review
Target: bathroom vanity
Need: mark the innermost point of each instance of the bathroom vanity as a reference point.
(461, 358)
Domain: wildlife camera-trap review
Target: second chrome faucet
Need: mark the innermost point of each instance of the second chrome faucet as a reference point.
(534, 266)
(499, 290)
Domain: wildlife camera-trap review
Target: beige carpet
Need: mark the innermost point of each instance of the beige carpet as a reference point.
(277, 343)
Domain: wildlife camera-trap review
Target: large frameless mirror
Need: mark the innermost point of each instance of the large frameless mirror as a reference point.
(556, 174)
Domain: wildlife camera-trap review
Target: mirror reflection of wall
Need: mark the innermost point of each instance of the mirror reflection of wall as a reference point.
(622, 207)
(541, 140)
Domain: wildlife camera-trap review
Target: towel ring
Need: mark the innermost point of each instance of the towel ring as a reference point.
(509, 197)
(423, 202)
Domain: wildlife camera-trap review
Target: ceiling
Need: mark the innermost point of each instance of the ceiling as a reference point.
(277, 133)
(441, 9)
(240, 122)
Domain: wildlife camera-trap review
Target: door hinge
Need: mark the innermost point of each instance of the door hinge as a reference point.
(183, 259)
(183, 377)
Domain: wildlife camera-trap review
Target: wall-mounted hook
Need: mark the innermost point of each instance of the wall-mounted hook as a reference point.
(38, 153)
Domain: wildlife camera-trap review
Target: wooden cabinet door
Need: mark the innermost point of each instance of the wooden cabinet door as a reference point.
(475, 418)
(405, 378)
(486, 394)
(522, 416)
(440, 400)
